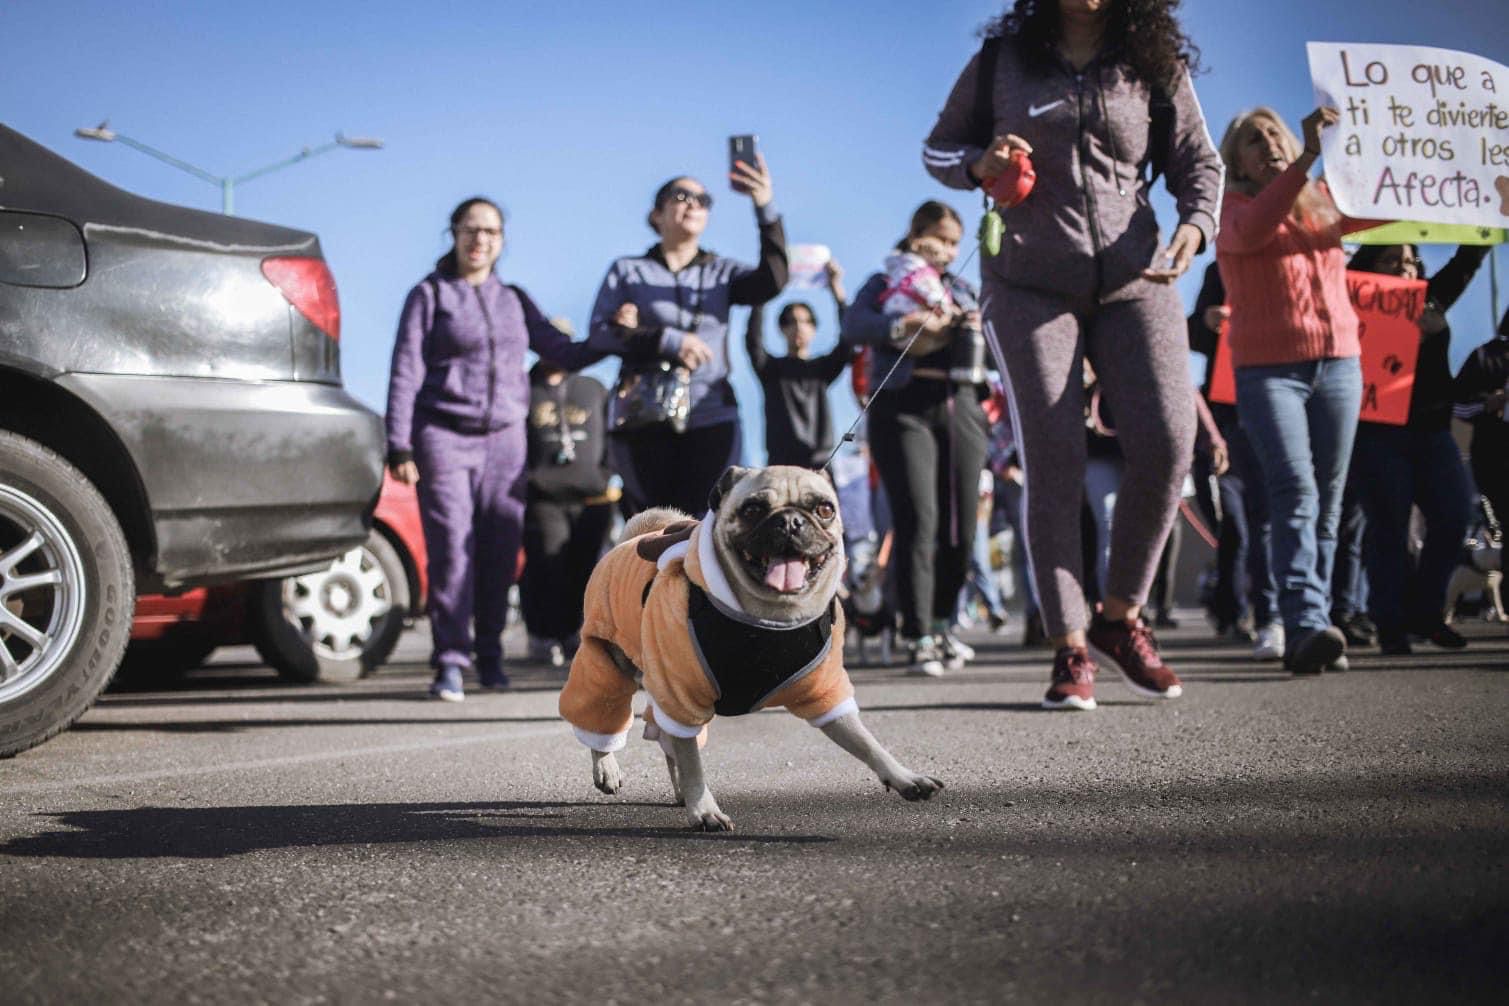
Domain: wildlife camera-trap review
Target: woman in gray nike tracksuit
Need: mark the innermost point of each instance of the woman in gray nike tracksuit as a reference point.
(1094, 91)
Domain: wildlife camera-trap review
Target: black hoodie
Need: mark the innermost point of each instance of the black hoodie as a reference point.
(568, 413)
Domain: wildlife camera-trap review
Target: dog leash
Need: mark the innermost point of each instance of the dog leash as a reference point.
(848, 437)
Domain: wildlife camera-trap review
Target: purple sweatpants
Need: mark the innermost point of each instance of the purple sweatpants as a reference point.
(471, 504)
(1138, 348)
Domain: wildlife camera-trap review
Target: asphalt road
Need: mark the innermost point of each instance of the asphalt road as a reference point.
(1261, 839)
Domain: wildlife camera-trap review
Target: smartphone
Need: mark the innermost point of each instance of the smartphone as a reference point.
(745, 148)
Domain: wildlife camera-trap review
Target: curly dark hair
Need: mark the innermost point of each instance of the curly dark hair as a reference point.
(1144, 33)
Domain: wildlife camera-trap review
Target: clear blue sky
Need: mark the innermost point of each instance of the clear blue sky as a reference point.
(571, 114)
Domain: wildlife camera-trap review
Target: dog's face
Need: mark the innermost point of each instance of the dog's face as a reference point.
(779, 539)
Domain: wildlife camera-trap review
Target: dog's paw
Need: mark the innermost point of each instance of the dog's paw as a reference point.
(915, 787)
(704, 814)
(606, 775)
(711, 820)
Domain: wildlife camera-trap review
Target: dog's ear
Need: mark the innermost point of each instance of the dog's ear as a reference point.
(725, 484)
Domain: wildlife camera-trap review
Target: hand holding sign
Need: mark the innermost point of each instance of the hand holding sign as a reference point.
(1423, 132)
(808, 266)
(1313, 123)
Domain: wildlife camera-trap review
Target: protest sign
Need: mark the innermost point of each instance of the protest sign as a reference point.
(1223, 385)
(1388, 326)
(1424, 132)
(1411, 232)
(1388, 314)
(808, 267)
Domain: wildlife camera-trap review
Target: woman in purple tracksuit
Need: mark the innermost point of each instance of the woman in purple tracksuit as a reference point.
(1095, 91)
(457, 399)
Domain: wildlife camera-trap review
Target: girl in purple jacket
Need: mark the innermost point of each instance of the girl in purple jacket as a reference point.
(457, 398)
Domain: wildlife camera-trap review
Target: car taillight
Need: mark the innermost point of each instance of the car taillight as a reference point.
(309, 287)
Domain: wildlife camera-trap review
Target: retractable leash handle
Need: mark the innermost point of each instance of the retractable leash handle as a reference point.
(1007, 190)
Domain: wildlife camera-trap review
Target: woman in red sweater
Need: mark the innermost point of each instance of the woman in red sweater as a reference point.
(1294, 346)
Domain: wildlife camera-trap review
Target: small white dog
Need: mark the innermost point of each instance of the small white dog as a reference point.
(1481, 569)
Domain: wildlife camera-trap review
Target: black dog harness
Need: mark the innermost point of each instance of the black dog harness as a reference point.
(748, 661)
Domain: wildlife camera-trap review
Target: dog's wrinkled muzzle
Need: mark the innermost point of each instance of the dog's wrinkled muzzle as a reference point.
(785, 550)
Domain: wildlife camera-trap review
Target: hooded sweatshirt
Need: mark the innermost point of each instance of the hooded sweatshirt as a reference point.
(459, 358)
(1087, 227)
(693, 301)
(643, 608)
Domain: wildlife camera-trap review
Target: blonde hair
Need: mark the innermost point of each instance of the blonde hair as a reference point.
(1313, 207)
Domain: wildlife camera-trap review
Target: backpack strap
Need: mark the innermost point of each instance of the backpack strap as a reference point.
(983, 116)
(1160, 130)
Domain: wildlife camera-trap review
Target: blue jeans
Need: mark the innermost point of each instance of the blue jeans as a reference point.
(1349, 581)
(1102, 483)
(1301, 419)
(1011, 495)
(1398, 467)
(1244, 587)
(980, 581)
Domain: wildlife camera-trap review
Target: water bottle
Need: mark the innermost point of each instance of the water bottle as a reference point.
(966, 362)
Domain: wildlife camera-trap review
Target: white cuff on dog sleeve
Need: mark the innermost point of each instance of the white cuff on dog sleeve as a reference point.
(671, 726)
(670, 555)
(606, 743)
(838, 712)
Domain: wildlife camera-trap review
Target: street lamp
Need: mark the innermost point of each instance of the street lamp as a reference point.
(227, 184)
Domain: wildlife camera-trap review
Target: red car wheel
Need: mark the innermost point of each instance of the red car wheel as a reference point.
(338, 624)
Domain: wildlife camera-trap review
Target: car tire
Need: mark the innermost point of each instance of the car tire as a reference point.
(336, 625)
(67, 593)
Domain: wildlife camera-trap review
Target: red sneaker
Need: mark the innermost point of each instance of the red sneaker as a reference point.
(1073, 680)
(1131, 649)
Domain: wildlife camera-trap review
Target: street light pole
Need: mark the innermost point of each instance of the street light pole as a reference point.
(225, 183)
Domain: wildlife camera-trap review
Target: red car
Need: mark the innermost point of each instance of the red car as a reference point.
(337, 624)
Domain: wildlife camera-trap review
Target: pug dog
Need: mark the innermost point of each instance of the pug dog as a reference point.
(723, 616)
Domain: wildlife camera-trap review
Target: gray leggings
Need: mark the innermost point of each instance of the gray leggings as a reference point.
(1139, 349)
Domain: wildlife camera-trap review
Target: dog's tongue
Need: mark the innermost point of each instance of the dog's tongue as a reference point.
(786, 575)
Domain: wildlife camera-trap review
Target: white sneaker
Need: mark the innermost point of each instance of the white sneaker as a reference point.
(447, 684)
(1269, 644)
(956, 652)
(927, 657)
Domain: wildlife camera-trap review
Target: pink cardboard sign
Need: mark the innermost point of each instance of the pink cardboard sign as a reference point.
(1388, 326)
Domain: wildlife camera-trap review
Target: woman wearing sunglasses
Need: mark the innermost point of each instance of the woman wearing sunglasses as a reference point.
(671, 304)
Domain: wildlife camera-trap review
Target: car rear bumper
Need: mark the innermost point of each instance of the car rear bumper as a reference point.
(243, 478)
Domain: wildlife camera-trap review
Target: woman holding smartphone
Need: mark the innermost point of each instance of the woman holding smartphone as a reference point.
(671, 303)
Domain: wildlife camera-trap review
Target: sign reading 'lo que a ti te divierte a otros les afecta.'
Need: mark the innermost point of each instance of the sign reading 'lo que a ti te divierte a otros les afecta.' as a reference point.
(1424, 132)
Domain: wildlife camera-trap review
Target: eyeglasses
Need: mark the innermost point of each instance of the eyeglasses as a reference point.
(702, 199)
(472, 233)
